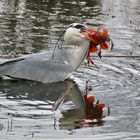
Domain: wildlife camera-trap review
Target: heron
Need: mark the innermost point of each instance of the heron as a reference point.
(42, 67)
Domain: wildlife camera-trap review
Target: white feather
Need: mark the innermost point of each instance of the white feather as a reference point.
(73, 36)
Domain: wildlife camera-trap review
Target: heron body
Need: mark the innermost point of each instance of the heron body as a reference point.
(41, 67)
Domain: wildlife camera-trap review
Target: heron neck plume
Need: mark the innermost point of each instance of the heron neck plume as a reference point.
(76, 58)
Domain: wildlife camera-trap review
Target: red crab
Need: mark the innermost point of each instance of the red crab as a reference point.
(93, 111)
(97, 38)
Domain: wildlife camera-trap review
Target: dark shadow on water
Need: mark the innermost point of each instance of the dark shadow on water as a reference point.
(22, 89)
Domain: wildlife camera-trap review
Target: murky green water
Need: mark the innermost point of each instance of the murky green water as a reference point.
(28, 26)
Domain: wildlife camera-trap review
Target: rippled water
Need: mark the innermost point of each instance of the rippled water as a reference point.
(25, 106)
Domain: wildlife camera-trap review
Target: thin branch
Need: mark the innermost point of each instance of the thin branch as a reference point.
(120, 56)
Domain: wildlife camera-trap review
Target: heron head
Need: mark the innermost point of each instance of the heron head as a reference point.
(74, 34)
(77, 34)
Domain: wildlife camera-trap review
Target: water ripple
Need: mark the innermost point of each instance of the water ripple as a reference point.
(29, 26)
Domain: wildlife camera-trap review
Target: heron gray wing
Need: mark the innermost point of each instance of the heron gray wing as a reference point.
(45, 54)
(37, 67)
(3, 61)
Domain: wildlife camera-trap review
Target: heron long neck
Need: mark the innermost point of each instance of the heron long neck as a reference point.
(76, 58)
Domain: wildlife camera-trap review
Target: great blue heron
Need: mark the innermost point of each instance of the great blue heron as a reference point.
(41, 67)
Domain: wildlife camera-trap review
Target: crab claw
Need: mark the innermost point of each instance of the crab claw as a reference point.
(86, 34)
(100, 106)
(112, 45)
(105, 32)
(91, 99)
(104, 46)
(93, 49)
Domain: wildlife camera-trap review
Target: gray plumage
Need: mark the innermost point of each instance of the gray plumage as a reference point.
(41, 67)
(36, 67)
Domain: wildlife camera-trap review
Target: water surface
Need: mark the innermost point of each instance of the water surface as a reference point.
(25, 106)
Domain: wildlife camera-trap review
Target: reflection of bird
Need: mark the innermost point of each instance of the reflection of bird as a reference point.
(93, 111)
(41, 67)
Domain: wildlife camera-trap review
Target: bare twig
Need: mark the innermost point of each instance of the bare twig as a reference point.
(120, 56)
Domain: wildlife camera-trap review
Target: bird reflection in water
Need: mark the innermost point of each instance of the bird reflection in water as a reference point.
(86, 114)
(78, 108)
